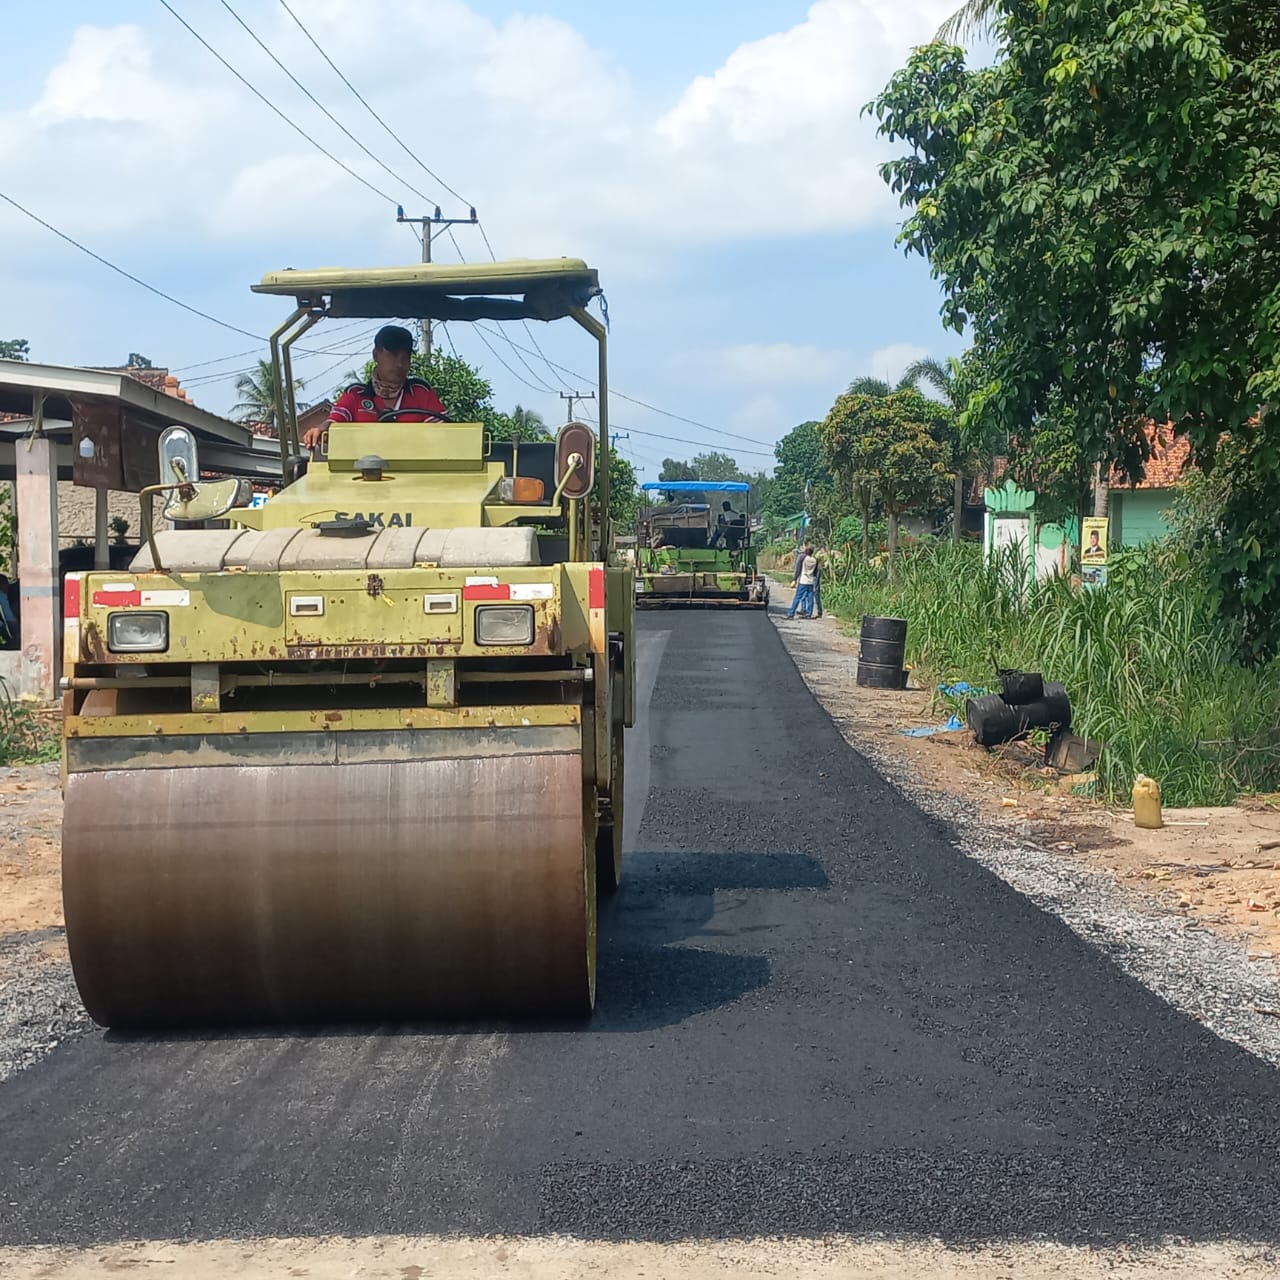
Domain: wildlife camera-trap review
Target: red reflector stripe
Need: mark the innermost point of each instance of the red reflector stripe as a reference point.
(71, 596)
(117, 599)
(485, 591)
(595, 588)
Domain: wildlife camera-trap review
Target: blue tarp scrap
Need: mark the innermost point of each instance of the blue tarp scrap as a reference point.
(929, 730)
(960, 688)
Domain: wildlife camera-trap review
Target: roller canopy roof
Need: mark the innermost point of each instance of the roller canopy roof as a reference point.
(518, 290)
(697, 486)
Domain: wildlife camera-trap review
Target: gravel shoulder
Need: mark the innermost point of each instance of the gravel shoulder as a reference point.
(39, 1005)
(1170, 907)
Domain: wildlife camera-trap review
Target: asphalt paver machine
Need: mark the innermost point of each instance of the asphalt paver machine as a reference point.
(356, 753)
(697, 553)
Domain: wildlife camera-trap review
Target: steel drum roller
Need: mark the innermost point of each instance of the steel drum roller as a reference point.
(383, 890)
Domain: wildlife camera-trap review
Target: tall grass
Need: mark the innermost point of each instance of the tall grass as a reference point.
(1146, 662)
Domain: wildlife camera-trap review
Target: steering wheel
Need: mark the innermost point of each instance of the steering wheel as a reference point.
(419, 415)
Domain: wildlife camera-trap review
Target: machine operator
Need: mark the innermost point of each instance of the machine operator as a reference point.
(390, 395)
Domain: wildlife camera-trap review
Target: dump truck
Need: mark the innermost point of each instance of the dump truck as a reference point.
(356, 753)
(696, 554)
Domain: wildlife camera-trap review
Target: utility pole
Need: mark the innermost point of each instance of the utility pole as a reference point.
(572, 396)
(436, 220)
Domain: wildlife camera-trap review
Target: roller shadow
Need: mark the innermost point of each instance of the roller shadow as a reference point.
(648, 974)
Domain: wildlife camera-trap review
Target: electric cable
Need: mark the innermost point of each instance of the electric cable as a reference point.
(297, 128)
(150, 288)
(360, 97)
(328, 114)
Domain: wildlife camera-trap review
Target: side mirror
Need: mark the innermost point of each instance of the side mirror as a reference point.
(576, 440)
(210, 500)
(179, 458)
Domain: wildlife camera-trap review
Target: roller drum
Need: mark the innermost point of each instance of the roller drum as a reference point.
(273, 893)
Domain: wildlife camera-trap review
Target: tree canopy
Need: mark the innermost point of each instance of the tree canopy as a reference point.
(715, 465)
(15, 349)
(1099, 206)
(898, 445)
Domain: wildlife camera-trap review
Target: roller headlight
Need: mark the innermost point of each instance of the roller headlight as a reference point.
(134, 632)
(504, 624)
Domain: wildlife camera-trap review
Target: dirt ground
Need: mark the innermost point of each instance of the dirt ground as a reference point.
(551, 1258)
(1220, 866)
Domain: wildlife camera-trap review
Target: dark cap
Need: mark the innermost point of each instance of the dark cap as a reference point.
(392, 337)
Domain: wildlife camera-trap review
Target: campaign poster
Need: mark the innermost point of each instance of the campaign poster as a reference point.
(1093, 551)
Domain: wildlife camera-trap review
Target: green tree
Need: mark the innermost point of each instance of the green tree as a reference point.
(1099, 207)
(952, 382)
(897, 442)
(799, 463)
(624, 493)
(867, 385)
(257, 392)
(14, 349)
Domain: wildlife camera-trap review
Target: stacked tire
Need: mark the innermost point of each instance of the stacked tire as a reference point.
(882, 648)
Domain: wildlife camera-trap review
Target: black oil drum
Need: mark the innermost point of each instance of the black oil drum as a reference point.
(883, 643)
(875, 675)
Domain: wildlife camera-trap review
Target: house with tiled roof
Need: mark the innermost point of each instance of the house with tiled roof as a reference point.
(1141, 512)
(1138, 512)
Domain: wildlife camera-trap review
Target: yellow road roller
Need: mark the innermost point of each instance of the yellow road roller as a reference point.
(357, 753)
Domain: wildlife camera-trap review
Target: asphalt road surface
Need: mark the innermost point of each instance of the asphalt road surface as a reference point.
(815, 1015)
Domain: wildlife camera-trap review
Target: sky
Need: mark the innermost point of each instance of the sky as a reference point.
(710, 160)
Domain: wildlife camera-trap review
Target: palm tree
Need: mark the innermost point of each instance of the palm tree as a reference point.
(257, 392)
(870, 386)
(974, 449)
(528, 424)
(973, 18)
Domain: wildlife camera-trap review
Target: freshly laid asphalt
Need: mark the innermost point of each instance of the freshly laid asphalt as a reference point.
(815, 1015)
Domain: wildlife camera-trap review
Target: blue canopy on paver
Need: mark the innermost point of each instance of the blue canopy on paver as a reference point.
(697, 486)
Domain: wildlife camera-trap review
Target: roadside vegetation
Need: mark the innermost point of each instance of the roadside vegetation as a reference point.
(1148, 661)
(26, 736)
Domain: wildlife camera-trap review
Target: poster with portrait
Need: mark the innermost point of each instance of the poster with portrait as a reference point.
(1093, 551)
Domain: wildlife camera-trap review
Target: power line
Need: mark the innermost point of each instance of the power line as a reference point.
(328, 114)
(297, 128)
(538, 377)
(120, 271)
(360, 97)
(692, 422)
(506, 366)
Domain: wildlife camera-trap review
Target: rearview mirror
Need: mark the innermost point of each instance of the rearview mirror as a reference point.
(179, 458)
(210, 500)
(575, 441)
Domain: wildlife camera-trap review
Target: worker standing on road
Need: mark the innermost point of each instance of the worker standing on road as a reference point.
(805, 577)
(820, 557)
(391, 395)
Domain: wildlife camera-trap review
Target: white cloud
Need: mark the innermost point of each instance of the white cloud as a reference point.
(891, 362)
(543, 131)
(767, 363)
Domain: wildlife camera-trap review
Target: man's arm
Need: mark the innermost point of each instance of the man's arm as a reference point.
(344, 410)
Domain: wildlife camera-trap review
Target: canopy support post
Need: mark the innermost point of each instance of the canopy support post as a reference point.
(600, 334)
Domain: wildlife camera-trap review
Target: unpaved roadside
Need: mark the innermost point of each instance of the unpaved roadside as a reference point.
(552, 1258)
(39, 1005)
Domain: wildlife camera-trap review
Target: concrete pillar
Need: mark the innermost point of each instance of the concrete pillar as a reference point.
(102, 539)
(36, 494)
